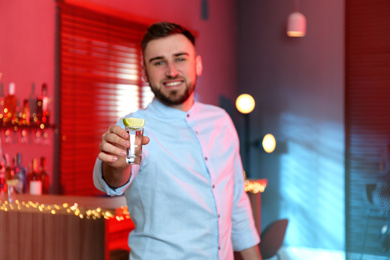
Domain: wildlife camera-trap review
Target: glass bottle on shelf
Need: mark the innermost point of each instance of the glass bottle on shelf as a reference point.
(3, 187)
(42, 105)
(20, 174)
(9, 171)
(2, 100)
(45, 100)
(18, 114)
(33, 101)
(39, 108)
(26, 112)
(10, 103)
(34, 180)
(45, 176)
(9, 178)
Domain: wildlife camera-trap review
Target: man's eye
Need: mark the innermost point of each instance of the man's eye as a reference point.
(180, 59)
(158, 63)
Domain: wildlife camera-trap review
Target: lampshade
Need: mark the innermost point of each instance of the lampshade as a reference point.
(296, 25)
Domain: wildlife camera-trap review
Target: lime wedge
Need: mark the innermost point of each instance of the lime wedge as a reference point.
(134, 123)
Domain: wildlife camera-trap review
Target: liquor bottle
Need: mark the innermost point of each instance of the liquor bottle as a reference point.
(26, 113)
(9, 171)
(20, 174)
(33, 100)
(45, 176)
(18, 113)
(42, 105)
(34, 181)
(10, 103)
(2, 100)
(3, 187)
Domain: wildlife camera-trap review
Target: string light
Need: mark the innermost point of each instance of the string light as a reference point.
(119, 214)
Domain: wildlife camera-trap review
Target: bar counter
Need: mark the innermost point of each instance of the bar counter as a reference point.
(48, 227)
(63, 227)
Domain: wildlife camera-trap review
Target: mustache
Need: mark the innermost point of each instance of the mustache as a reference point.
(172, 78)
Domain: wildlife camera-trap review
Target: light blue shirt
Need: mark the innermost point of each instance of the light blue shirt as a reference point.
(187, 198)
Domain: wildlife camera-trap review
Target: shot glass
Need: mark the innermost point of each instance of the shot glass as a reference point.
(134, 152)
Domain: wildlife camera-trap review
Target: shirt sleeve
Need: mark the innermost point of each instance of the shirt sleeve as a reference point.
(102, 185)
(244, 231)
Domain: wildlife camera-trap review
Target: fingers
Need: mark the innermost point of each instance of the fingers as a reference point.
(114, 144)
(114, 140)
(112, 155)
(117, 135)
(145, 140)
(110, 148)
(117, 130)
(107, 158)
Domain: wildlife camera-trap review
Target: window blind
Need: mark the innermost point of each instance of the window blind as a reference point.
(367, 93)
(100, 81)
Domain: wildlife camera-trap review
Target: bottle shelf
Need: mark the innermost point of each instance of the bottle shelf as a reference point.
(33, 114)
(20, 123)
(17, 127)
(15, 133)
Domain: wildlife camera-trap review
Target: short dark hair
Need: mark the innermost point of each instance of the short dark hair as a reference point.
(164, 29)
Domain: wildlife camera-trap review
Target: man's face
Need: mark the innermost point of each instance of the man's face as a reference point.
(171, 67)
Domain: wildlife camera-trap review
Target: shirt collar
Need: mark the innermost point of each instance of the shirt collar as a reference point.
(167, 112)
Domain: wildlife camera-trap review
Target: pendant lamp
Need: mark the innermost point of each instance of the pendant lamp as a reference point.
(296, 23)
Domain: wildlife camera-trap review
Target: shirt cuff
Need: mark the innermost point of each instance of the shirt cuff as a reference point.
(102, 185)
(247, 240)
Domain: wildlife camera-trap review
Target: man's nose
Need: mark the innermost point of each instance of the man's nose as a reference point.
(171, 70)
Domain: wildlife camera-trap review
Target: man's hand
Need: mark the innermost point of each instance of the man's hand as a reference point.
(113, 147)
(252, 253)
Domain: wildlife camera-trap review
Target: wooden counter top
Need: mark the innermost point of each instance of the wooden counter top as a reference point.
(63, 227)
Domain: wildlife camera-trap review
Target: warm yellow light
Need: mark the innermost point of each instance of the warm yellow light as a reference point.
(295, 34)
(296, 25)
(245, 103)
(269, 143)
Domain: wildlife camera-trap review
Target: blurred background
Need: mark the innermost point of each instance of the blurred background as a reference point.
(323, 96)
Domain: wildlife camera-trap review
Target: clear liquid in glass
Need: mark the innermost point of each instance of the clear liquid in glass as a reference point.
(134, 152)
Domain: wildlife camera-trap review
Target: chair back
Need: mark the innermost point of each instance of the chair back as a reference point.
(272, 238)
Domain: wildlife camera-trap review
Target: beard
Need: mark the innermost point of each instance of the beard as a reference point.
(173, 97)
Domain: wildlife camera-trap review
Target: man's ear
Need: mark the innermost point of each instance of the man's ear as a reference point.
(144, 73)
(199, 65)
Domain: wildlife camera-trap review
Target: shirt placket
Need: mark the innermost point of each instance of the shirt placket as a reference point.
(196, 129)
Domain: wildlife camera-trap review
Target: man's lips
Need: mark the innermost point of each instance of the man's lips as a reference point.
(173, 84)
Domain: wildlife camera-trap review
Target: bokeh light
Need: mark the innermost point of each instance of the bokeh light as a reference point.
(245, 103)
(269, 143)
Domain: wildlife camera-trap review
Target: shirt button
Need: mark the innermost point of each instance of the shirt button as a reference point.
(196, 132)
(206, 158)
(219, 216)
(188, 115)
(219, 248)
(213, 186)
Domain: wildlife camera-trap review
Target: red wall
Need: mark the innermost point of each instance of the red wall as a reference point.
(27, 31)
(27, 49)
